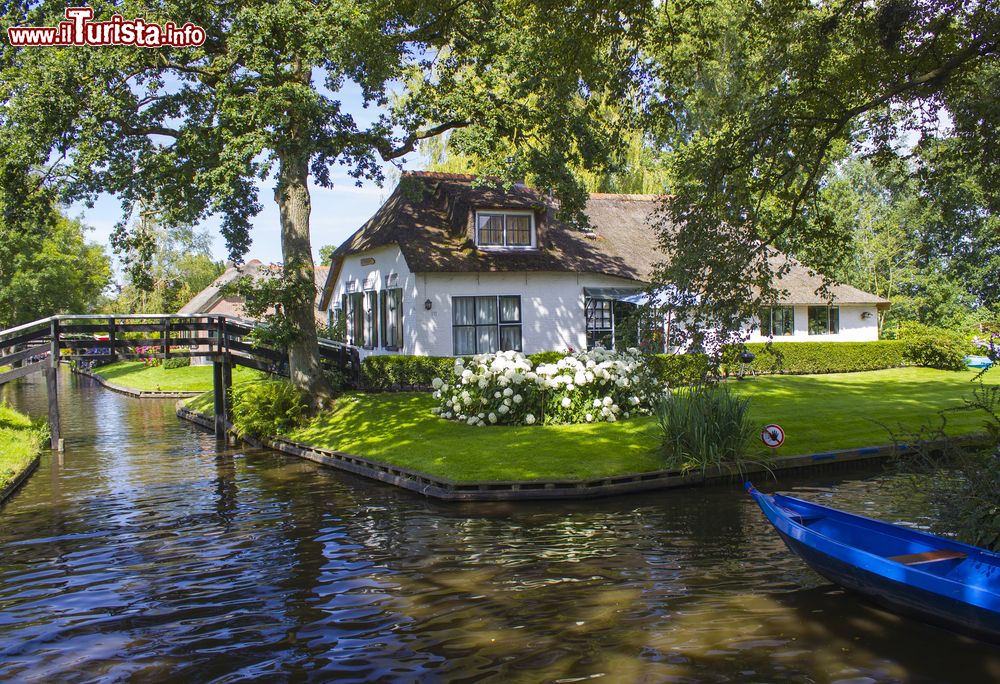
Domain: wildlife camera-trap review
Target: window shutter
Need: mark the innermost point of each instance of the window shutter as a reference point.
(381, 309)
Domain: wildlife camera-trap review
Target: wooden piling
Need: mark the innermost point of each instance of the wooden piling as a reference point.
(52, 386)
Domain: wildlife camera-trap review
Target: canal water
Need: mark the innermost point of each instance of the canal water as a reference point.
(150, 552)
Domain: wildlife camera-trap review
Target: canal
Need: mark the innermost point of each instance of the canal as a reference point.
(151, 552)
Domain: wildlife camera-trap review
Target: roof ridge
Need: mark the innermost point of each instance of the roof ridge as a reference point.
(626, 196)
(441, 175)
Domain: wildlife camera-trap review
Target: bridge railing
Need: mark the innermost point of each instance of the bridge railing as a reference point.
(103, 339)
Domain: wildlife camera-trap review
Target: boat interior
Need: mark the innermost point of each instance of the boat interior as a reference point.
(892, 542)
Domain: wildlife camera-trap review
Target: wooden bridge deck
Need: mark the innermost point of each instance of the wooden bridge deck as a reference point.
(37, 347)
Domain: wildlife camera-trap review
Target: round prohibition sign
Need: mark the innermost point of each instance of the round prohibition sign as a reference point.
(772, 436)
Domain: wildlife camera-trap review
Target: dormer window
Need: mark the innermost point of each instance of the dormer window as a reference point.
(499, 229)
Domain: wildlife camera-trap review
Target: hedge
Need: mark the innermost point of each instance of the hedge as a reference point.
(799, 358)
(387, 373)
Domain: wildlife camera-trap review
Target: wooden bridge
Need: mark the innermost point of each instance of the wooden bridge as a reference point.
(39, 346)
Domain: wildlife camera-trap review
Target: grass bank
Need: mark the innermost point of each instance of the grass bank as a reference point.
(136, 375)
(20, 442)
(818, 413)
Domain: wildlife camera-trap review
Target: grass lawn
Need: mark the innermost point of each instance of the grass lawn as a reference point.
(136, 375)
(818, 413)
(20, 442)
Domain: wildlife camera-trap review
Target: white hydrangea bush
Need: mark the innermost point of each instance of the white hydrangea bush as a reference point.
(505, 388)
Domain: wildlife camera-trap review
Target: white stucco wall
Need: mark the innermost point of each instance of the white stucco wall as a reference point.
(552, 312)
(853, 328)
(552, 305)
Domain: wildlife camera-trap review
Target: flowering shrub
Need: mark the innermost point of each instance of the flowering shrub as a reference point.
(505, 388)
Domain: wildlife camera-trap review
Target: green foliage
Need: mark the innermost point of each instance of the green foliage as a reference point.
(267, 407)
(175, 264)
(385, 373)
(963, 483)
(677, 370)
(56, 271)
(934, 347)
(180, 362)
(20, 441)
(758, 101)
(546, 357)
(268, 297)
(705, 426)
(817, 357)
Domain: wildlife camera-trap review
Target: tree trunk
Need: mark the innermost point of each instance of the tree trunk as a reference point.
(294, 204)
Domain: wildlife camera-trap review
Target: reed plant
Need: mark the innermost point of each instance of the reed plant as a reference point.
(705, 426)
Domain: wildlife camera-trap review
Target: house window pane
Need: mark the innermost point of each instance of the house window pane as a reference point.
(824, 320)
(355, 318)
(491, 229)
(370, 319)
(465, 341)
(600, 323)
(519, 231)
(486, 310)
(392, 319)
(486, 339)
(486, 324)
(463, 310)
(781, 323)
(510, 337)
(510, 309)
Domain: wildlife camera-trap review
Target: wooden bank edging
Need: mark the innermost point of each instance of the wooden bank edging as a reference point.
(449, 490)
(136, 393)
(18, 481)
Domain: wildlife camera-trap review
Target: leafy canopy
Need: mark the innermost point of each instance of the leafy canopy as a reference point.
(191, 131)
(754, 102)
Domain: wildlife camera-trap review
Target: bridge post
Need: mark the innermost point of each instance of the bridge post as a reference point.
(52, 386)
(112, 341)
(222, 380)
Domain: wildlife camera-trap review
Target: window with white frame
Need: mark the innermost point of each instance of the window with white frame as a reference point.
(486, 324)
(824, 320)
(505, 229)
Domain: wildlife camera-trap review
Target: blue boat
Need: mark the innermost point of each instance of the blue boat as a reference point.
(921, 575)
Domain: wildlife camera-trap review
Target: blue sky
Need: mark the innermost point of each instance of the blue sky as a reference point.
(336, 212)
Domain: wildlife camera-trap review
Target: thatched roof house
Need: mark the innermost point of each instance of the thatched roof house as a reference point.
(448, 262)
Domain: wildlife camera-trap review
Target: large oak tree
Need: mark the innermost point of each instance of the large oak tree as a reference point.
(191, 132)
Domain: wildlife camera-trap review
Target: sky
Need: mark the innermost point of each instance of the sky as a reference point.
(336, 212)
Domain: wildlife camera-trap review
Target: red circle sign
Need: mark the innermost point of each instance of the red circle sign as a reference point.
(772, 436)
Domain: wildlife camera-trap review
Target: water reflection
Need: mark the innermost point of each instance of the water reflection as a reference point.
(152, 552)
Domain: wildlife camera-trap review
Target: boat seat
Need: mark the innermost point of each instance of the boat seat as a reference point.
(799, 518)
(927, 557)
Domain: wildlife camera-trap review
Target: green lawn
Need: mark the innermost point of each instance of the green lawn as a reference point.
(818, 413)
(136, 375)
(20, 442)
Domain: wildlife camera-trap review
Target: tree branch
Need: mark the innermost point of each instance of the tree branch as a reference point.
(389, 153)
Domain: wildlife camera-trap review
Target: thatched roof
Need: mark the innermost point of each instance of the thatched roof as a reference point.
(430, 216)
